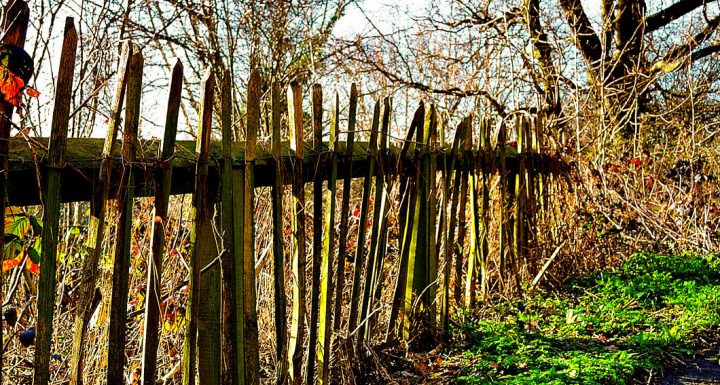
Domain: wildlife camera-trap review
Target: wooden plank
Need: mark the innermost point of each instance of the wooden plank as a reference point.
(345, 209)
(229, 369)
(416, 281)
(252, 359)
(123, 229)
(297, 328)
(472, 255)
(451, 195)
(324, 323)
(431, 224)
(16, 16)
(86, 288)
(374, 234)
(386, 171)
(409, 195)
(278, 239)
(360, 257)
(502, 213)
(381, 238)
(51, 211)
(487, 173)
(83, 162)
(163, 179)
(317, 112)
(518, 193)
(238, 208)
(461, 191)
(199, 320)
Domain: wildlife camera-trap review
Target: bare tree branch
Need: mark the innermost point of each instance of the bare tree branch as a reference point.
(671, 13)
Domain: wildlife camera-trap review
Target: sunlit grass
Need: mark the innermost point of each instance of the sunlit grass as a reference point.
(608, 328)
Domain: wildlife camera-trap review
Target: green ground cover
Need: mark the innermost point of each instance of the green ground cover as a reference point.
(609, 328)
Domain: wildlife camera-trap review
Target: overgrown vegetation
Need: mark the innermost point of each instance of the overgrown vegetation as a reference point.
(607, 328)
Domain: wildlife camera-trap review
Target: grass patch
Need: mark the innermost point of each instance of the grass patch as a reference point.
(608, 328)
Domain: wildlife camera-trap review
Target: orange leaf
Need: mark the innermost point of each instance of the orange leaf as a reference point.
(11, 263)
(11, 87)
(31, 92)
(33, 267)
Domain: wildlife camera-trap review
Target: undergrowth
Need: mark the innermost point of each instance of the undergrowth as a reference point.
(607, 328)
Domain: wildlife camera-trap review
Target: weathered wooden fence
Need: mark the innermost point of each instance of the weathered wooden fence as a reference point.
(478, 187)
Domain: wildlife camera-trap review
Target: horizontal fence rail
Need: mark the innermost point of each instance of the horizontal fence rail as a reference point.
(84, 157)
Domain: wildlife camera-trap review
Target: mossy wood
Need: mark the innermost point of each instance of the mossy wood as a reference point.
(360, 258)
(374, 234)
(252, 359)
(98, 194)
(278, 238)
(199, 320)
(51, 192)
(347, 157)
(297, 328)
(229, 324)
(163, 179)
(317, 245)
(84, 158)
(123, 229)
(326, 278)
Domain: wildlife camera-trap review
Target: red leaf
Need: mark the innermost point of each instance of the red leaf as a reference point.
(11, 263)
(32, 267)
(31, 92)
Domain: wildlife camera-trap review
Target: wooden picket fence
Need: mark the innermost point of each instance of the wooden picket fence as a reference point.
(438, 195)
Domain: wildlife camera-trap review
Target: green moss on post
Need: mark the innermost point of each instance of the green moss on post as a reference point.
(324, 322)
(51, 217)
(375, 230)
(345, 210)
(317, 111)
(297, 329)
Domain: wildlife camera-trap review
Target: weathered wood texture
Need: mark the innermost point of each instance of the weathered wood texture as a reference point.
(84, 157)
(163, 178)
(51, 218)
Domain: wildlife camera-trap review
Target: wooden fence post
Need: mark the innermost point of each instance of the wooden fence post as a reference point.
(252, 360)
(520, 200)
(51, 217)
(472, 268)
(453, 196)
(278, 239)
(344, 209)
(486, 165)
(503, 223)
(229, 372)
(86, 289)
(201, 323)
(123, 233)
(382, 236)
(431, 170)
(408, 188)
(297, 329)
(325, 347)
(415, 237)
(462, 212)
(163, 180)
(375, 230)
(317, 112)
(362, 227)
